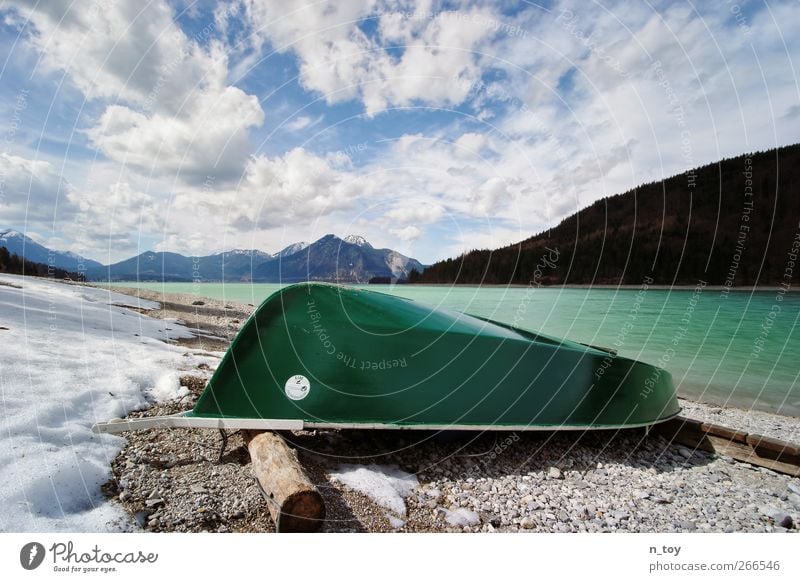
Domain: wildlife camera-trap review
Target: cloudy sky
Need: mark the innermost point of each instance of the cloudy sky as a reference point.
(426, 127)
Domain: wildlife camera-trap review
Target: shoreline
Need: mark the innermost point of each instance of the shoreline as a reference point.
(655, 287)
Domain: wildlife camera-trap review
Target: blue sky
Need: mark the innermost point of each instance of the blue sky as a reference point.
(427, 127)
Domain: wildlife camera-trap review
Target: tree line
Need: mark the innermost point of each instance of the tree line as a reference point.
(15, 265)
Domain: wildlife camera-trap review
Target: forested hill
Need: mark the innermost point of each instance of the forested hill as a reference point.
(13, 264)
(730, 223)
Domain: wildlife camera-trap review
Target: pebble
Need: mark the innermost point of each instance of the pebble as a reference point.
(433, 493)
(780, 517)
(620, 515)
(555, 473)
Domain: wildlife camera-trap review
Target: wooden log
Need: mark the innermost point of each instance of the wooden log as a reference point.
(293, 501)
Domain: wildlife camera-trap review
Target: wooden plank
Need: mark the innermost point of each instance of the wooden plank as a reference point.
(725, 432)
(773, 448)
(684, 431)
(746, 454)
(758, 450)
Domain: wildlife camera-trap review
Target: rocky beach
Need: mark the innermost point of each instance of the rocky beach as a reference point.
(183, 480)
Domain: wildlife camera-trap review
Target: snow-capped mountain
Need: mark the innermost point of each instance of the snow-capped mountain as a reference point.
(358, 240)
(348, 260)
(292, 249)
(254, 253)
(24, 246)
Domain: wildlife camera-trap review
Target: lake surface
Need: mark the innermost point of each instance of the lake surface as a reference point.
(740, 348)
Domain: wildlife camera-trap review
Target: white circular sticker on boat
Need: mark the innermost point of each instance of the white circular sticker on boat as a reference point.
(297, 387)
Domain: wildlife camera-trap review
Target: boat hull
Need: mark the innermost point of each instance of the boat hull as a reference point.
(331, 356)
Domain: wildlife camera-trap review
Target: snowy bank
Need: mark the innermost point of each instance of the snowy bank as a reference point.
(72, 356)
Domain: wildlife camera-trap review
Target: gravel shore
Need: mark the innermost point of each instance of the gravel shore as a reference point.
(176, 480)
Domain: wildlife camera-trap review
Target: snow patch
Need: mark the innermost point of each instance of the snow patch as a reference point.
(9, 233)
(168, 387)
(395, 522)
(386, 485)
(461, 516)
(357, 240)
(246, 253)
(292, 249)
(72, 358)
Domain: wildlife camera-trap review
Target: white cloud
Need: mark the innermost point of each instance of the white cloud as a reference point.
(207, 139)
(296, 189)
(32, 190)
(171, 111)
(338, 59)
(296, 186)
(121, 51)
(111, 220)
(482, 237)
(420, 211)
(301, 122)
(407, 233)
(440, 176)
(470, 144)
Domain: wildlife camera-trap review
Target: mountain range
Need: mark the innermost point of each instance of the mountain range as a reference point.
(730, 223)
(24, 246)
(348, 260)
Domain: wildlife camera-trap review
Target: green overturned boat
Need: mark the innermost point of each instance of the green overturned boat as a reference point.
(317, 355)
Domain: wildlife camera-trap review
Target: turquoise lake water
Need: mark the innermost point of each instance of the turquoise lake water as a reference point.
(740, 348)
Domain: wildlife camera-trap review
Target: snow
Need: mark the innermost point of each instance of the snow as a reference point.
(461, 516)
(386, 485)
(357, 240)
(71, 356)
(247, 253)
(7, 234)
(168, 387)
(292, 249)
(395, 522)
